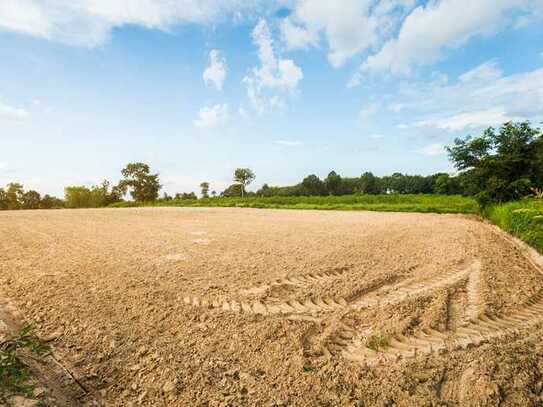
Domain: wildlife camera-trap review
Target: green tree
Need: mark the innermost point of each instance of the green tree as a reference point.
(205, 189)
(313, 185)
(500, 166)
(368, 184)
(142, 185)
(333, 183)
(233, 191)
(51, 202)
(243, 176)
(14, 195)
(30, 200)
(3, 199)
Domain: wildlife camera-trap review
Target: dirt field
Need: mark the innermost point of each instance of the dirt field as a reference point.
(222, 307)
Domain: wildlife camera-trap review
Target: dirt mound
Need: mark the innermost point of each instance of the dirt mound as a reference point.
(261, 307)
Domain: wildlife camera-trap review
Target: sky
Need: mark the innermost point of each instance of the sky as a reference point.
(197, 88)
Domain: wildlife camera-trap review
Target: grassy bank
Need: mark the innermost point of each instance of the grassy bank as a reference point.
(385, 203)
(523, 219)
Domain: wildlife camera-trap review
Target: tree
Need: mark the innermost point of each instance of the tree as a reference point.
(368, 184)
(205, 189)
(243, 176)
(333, 183)
(233, 190)
(143, 186)
(313, 185)
(500, 166)
(14, 194)
(30, 200)
(3, 199)
(50, 202)
(213, 194)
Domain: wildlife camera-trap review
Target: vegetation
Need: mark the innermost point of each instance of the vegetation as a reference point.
(243, 177)
(14, 374)
(392, 202)
(500, 166)
(15, 197)
(523, 219)
(142, 185)
(378, 342)
(94, 197)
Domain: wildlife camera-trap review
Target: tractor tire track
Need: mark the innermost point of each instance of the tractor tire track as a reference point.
(298, 281)
(312, 305)
(410, 289)
(480, 330)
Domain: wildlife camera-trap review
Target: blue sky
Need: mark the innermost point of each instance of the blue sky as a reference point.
(287, 88)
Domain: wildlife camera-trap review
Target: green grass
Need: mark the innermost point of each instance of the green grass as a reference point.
(14, 374)
(523, 219)
(384, 203)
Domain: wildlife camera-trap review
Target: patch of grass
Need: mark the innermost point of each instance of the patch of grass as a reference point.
(308, 367)
(378, 341)
(14, 373)
(523, 219)
(384, 203)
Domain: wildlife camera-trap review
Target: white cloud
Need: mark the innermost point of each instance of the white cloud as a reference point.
(470, 104)
(296, 36)
(347, 25)
(432, 150)
(212, 116)
(90, 22)
(485, 72)
(288, 143)
(215, 73)
(12, 113)
(428, 30)
(469, 120)
(274, 74)
(376, 136)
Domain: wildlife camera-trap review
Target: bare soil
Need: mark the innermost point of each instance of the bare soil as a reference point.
(218, 307)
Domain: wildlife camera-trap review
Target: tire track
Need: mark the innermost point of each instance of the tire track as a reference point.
(411, 289)
(481, 330)
(312, 305)
(298, 281)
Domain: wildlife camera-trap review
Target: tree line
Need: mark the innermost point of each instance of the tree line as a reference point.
(496, 166)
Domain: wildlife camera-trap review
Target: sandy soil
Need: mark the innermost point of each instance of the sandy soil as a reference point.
(222, 307)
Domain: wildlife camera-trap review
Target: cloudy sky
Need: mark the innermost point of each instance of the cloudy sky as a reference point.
(197, 88)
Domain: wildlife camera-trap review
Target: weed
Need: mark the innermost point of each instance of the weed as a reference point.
(378, 341)
(14, 373)
(308, 367)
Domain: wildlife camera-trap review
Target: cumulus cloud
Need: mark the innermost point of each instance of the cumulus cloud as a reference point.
(215, 73)
(12, 113)
(90, 22)
(273, 75)
(429, 29)
(212, 116)
(432, 150)
(296, 36)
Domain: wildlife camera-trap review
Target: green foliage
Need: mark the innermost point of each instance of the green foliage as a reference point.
(205, 189)
(243, 176)
(500, 166)
(523, 219)
(96, 196)
(142, 185)
(233, 191)
(15, 197)
(387, 203)
(14, 374)
(378, 342)
(186, 196)
(14, 194)
(30, 200)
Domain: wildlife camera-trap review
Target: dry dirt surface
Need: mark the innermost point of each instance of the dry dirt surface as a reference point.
(219, 307)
